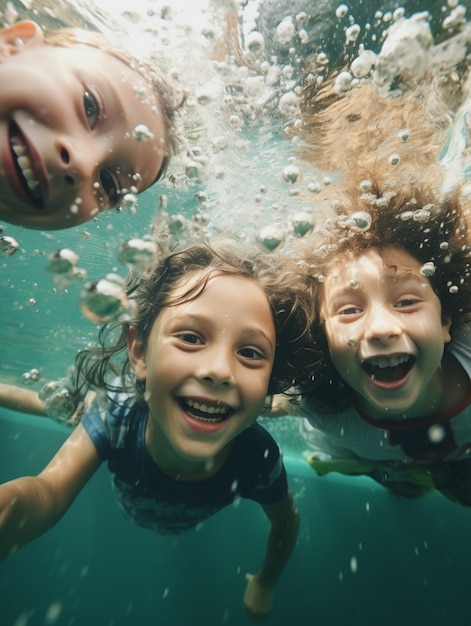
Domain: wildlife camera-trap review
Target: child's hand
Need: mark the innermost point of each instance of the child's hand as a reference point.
(258, 600)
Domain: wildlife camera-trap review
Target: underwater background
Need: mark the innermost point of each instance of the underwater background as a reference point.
(363, 557)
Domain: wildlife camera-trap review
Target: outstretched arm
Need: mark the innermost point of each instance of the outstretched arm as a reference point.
(284, 519)
(30, 506)
(21, 400)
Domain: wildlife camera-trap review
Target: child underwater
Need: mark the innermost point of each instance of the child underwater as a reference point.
(82, 126)
(211, 335)
(390, 274)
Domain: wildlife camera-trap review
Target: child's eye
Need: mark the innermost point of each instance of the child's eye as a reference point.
(92, 109)
(251, 353)
(110, 186)
(350, 310)
(191, 339)
(406, 302)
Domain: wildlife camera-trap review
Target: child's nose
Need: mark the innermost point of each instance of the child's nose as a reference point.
(77, 163)
(216, 368)
(382, 325)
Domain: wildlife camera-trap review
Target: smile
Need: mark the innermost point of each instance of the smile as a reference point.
(388, 369)
(28, 177)
(210, 413)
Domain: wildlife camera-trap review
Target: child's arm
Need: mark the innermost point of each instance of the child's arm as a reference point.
(21, 400)
(30, 506)
(284, 519)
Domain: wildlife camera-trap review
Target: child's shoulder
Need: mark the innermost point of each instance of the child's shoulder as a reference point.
(255, 439)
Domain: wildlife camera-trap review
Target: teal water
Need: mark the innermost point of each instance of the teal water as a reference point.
(363, 557)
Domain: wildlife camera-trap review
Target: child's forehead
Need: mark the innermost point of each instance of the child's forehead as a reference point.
(204, 277)
(388, 258)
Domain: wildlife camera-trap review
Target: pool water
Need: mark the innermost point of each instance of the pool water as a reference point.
(363, 557)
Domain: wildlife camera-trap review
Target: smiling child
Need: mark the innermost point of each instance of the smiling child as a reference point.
(81, 125)
(211, 336)
(392, 295)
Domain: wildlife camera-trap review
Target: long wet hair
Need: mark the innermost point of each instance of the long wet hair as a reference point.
(151, 292)
(366, 214)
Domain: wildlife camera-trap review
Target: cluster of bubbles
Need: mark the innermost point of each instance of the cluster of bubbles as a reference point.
(59, 400)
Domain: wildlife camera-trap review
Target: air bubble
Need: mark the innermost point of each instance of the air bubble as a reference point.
(341, 11)
(428, 269)
(254, 43)
(137, 252)
(8, 246)
(104, 299)
(303, 223)
(142, 133)
(271, 238)
(291, 173)
(360, 220)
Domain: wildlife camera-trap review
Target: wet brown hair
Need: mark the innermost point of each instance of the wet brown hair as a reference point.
(154, 290)
(415, 217)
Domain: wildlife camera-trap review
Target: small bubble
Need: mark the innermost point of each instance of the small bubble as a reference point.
(291, 173)
(428, 269)
(436, 433)
(354, 565)
(53, 613)
(142, 133)
(254, 43)
(303, 223)
(404, 134)
(270, 238)
(394, 159)
(8, 246)
(361, 220)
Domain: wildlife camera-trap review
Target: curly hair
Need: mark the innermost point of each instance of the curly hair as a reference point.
(153, 291)
(372, 214)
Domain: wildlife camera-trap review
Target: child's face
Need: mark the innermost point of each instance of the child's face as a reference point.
(68, 146)
(207, 366)
(383, 323)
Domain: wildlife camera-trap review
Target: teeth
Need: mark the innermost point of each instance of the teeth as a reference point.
(211, 410)
(388, 362)
(24, 164)
(18, 149)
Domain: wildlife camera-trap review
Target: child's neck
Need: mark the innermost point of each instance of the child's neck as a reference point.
(177, 467)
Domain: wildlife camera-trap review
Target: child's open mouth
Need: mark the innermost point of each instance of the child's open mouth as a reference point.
(389, 369)
(213, 413)
(28, 176)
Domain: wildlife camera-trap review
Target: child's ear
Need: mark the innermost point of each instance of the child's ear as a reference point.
(15, 38)
(446, 324)
(137, 354)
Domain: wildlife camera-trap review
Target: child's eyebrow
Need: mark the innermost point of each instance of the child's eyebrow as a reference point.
(252, 332)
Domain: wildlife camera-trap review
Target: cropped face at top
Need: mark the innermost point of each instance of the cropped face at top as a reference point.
(78, 130)
(207, 365)
(385, 332)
